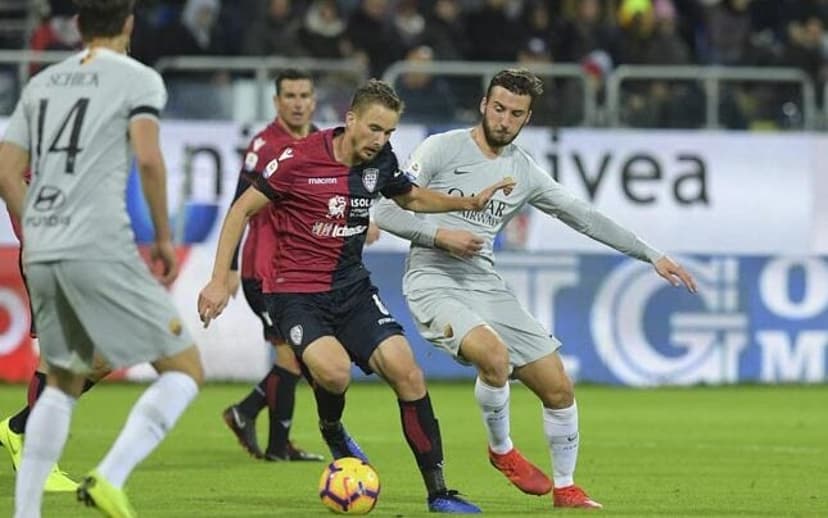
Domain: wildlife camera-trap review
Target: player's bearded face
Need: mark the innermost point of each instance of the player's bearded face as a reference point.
(371, 129)
(504, 115)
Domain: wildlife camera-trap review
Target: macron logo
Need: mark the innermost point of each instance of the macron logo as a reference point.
(258, 143)
(322, 181)
(287, 153)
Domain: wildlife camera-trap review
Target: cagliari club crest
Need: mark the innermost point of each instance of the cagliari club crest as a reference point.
(369, 178)
(296, 334)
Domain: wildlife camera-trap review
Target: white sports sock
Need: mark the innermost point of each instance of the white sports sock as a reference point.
(561, 429)
(46, 433)
(148, 423)
(494, 404)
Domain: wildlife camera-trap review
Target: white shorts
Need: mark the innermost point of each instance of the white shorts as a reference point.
(445, 316)
(115, 309)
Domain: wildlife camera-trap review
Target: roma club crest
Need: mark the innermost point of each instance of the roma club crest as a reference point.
(369, 178)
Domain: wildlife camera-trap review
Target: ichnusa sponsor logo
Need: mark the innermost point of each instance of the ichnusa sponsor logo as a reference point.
(326, 229)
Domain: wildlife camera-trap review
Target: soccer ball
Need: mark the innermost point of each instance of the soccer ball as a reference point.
(349, 486)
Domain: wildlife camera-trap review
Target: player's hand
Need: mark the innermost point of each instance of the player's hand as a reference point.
(461, 243)
(675, 273)
(233, 283)
(212, 300)
(164, 252)
(480, 200)
(373, 234)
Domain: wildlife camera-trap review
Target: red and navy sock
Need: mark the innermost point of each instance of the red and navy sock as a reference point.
(257, 399)
(422, 432)
(17, 423)
(280, 394)
(329, 406)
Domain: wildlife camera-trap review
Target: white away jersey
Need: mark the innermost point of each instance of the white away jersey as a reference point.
(452, 163)
(73, 118)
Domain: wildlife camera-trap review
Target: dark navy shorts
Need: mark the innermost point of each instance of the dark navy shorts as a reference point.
(256, 300)
(354, 315)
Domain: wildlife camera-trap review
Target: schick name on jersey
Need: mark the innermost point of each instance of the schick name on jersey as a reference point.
(74, 79)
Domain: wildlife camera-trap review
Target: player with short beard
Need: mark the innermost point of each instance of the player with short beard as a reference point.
(462, 305)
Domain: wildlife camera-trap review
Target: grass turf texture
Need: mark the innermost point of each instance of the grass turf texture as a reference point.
(731, 451)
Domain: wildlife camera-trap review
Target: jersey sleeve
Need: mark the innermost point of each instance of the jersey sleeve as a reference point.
(18, 130)
(419, 168)
(398, 182)
(241, 185)
(147, 96)
(424, 161)
(553, 199)
(271, 171)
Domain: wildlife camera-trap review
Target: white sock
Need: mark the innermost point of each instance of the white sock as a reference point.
(561, 429)
(494, 404)
(46, 433)
(148, 423)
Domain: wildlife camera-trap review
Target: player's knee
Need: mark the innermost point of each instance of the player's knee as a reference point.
(286, 359)
(411, 380)
(334, 380)
(493, 367)
(559, 395)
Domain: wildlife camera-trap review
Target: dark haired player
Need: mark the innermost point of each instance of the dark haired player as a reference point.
(295, 103)
(462, 305)
(92, 295)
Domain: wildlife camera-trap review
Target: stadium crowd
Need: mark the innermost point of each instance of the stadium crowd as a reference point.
(598, 34)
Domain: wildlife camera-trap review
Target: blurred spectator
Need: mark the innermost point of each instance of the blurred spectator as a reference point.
(276, 33)
(409, 23)
(369, 31)
(537, 22)
(428, 99)
(545, 110)
(729, 30)
(583, 32)
(196, 95)
(495, 32)
(57, 29)
(323, 31)
(194, 33)
(446, 32)
(806, 49)
(637, 22)
(666, 46)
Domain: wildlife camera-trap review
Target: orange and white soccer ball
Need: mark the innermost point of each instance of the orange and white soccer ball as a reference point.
(349, 486)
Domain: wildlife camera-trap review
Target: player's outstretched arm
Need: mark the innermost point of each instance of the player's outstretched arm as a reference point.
(420, 199)
(214, 296)
(14, 160)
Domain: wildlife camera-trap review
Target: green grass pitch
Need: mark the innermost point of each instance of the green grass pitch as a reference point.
(731, 451)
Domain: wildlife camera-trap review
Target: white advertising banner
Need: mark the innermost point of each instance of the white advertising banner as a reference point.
(738, 194)
(684, 191)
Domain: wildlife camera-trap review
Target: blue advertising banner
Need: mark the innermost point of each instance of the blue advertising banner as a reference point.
(756, 319)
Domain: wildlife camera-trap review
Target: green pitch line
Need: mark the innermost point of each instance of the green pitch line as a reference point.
(732, 451)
